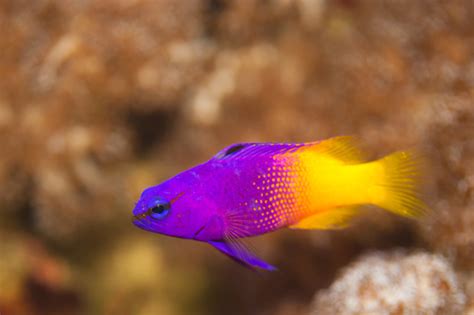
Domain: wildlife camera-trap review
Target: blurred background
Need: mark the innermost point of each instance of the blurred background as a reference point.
(100, 99)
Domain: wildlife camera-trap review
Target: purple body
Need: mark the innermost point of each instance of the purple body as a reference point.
(219, 201)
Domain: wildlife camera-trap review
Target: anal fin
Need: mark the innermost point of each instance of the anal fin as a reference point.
(337, 218)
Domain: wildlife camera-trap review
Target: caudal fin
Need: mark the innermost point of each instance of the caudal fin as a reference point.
(397, 190)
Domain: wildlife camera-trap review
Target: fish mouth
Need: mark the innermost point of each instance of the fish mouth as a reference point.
(137, 221)
(139, 217)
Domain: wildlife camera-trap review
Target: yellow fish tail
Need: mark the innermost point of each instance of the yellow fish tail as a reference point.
(338, 182)
(396, 187)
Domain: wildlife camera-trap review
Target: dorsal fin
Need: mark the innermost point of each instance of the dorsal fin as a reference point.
(234, 149)
(243, 150)
(343, 148)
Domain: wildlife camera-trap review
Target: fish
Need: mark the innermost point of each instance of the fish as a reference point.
(250, 189)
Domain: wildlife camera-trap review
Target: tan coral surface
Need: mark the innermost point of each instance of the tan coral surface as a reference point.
(100, 99)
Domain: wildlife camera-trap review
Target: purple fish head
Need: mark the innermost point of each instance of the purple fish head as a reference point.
(178, 208)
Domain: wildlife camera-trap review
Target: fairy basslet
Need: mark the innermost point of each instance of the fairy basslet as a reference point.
(249, 189)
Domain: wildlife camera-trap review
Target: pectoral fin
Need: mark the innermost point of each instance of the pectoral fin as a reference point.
(240, 253)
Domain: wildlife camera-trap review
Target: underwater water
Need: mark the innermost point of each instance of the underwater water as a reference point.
(101, 99)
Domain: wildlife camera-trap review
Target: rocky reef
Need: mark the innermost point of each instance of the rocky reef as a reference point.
(100, 99)
(394, 283)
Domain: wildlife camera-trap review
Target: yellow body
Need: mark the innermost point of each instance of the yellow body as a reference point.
(333, 181)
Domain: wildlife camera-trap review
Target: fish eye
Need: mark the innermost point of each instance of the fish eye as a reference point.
(159, 209)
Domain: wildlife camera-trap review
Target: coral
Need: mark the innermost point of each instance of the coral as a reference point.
(394, 283)
(66, 133)
(449, 230)
(100, 99)
(34, 280)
